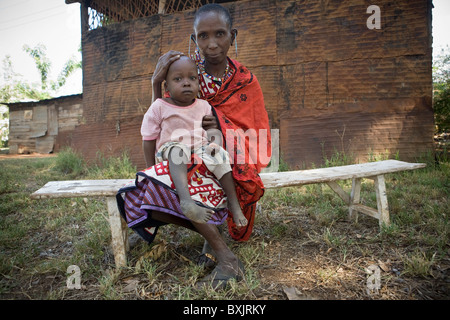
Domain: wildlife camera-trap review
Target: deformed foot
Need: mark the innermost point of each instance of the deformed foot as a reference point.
(194, 212)
(238, 217)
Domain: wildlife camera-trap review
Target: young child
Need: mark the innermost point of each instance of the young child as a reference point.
(173, 127)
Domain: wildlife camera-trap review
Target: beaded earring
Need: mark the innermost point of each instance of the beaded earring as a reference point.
(235, 46)
(196, 56)
(190, 40)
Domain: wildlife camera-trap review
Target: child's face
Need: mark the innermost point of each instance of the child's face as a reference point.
(182, 81)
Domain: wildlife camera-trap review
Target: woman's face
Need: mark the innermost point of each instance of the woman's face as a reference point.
(213, 36)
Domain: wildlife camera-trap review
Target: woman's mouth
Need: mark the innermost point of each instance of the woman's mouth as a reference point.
(214, 56)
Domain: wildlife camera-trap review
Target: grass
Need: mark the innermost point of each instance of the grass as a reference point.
(302, 238)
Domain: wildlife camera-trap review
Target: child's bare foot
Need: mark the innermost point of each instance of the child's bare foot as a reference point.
(194, 212)
(238, 217)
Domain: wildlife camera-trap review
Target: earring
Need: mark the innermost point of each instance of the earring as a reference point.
(235, 46)
(190, 40)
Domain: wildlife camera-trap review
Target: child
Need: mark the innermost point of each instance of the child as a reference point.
(173, 127)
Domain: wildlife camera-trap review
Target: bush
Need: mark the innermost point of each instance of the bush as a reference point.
(69, 162)
(441, 105)
(112, 167)
(441, 90)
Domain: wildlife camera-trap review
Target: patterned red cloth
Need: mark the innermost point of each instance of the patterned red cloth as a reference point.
(239, 106)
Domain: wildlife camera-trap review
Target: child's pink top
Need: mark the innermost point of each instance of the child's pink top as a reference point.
(166, 122)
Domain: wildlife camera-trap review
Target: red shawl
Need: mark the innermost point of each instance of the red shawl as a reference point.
(239, 104)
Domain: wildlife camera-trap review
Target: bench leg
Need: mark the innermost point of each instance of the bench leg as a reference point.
(119, 233)
(355, 198)
(382, 202)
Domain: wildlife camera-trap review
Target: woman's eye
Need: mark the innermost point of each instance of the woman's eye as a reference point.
(202, 36)
(220, 33)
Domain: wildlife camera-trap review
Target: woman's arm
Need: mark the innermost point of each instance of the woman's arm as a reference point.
(149, 147)
(159, 75)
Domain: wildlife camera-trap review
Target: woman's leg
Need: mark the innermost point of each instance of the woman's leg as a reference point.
(228, 264)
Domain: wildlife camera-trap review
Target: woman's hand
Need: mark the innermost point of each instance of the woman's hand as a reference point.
(159, 75)
(163, 64)
(209, 122)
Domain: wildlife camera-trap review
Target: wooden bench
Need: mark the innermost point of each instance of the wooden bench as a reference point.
(330, 176)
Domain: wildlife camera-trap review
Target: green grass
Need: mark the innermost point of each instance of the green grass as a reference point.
(297, 226)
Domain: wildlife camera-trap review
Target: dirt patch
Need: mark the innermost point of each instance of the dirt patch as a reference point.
(26, 156)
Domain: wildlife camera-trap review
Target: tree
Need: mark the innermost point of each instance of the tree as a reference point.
(441, 90)
(17, 89)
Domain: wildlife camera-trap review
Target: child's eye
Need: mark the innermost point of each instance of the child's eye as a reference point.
(194, 78)
(177, 79)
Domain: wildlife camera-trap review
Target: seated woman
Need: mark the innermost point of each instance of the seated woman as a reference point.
(239, 113)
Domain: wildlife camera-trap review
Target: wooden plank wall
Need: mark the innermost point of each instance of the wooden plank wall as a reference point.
(37, 126)
(330, 83)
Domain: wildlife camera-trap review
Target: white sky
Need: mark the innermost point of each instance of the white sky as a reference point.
(57, 25)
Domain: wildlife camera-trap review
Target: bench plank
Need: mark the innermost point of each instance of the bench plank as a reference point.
(99, 188)
(322, 175)
(79, 188)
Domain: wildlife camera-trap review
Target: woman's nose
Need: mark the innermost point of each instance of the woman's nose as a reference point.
(212, 44)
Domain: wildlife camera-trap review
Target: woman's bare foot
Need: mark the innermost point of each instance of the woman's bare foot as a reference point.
(194, 212)
(222, 273)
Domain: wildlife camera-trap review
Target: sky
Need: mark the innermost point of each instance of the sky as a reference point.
(57, 25)
(50, 22)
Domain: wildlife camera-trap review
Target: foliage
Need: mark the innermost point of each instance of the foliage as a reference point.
(70, 162)
(4, 130)
(441, 90)
(18, 89)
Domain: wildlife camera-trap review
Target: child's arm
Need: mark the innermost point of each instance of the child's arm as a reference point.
(149, 147)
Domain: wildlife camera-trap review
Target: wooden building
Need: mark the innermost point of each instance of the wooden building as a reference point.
(43, 126)
(333, 80)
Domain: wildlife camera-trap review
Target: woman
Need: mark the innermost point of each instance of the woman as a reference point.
(238, 108)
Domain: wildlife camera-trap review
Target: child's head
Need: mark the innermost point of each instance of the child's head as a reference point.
(182, 81)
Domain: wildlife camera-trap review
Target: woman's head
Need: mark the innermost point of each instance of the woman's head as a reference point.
(213, 32)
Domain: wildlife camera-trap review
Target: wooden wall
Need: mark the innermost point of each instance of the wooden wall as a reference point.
(330, 83)
(39, 126)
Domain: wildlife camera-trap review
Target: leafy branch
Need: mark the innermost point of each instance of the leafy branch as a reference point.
(17, 89)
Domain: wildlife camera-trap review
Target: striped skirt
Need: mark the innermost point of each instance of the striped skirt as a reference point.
(153, 190)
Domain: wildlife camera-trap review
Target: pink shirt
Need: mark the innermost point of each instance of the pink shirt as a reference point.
(166, 122)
